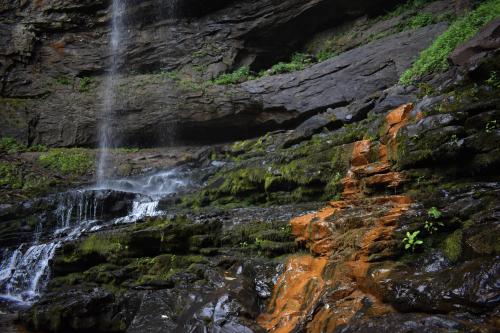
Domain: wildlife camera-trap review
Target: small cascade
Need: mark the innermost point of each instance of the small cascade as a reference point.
(139, 211)
(24, 270)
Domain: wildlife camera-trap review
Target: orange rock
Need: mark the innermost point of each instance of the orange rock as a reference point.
(360, 153)
(399, 114)
(296, 291)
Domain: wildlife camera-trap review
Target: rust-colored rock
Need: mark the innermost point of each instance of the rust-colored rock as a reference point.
(344, 239)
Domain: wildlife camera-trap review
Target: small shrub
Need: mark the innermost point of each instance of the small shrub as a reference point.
(74, 161)
(435, 58)
(11, 146)
(240, 75)
(299, 61)
(494, 80)
(491, 126)
(85, 84)
(63, 80)
(9, 177)
(411, 240)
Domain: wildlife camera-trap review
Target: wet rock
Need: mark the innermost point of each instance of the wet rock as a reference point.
(482, 47)
(405, 323)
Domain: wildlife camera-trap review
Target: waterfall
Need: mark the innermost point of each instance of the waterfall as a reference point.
(105, 128)
(25, 269)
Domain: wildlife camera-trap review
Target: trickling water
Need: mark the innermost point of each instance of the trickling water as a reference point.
(105, 130)
(24, 270)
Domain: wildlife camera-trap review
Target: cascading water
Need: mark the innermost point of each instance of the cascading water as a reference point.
(24, 269)
(105, 129)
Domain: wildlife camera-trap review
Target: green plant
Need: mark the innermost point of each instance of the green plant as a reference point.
(298, 62)
(240, 75)
(491, 126)
(11, 146)
(421, 20)
(85, 84)
(494, 80)
(411, 240)
(435, 57)
(76, 161)
(434, 213)
(433, 226)
(63, 80)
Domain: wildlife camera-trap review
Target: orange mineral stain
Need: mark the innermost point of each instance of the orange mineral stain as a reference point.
(344, 239)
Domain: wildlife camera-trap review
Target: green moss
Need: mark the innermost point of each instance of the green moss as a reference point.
(435, 57)
(452, 245)
(102, 244)
(73, 161)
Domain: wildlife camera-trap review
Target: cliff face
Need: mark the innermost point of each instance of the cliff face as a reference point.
(55, 53)
(358, 203)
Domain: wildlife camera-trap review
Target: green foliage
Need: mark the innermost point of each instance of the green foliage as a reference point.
(411, 240)
(9, 177)
(75, 161)
(420, 20)
(406, 7)
(491, 126)
(11, 146)
(85, 84)
(434, 213)
(63, 80)
(494, 80)
(240, 75)
(435, 57)
(298, 62)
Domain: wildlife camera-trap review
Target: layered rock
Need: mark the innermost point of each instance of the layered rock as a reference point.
(50, 99)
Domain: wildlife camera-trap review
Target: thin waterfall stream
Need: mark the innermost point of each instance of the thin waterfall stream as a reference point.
(105, 128)
(24, 269)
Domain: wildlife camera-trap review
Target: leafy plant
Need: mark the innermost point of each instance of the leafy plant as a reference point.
(435, 57)
(85, 83)
(411, 240)
(494, 80)
(433, 226)
(434, 213)
(63, 80)
(298, 62)
(491, 126)
(240, 75)
(11, 146)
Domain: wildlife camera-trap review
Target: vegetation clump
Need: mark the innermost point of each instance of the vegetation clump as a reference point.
(435, 58)
(12, 146)
(74, 161)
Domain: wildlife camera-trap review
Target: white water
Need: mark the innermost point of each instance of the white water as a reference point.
(24, 270)
(115, 49)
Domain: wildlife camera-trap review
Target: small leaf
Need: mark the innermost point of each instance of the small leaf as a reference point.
(419, 242)
(407, 246)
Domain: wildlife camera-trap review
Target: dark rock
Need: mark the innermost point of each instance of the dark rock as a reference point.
(483, 46)
(216, 112)
(405, 323)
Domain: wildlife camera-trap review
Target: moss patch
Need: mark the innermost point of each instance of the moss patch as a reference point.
(452, 245)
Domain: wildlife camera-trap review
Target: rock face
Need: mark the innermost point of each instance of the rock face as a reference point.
(52, 49)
